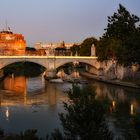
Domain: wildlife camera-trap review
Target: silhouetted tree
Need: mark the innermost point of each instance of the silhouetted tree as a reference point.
(75, 49)
(84, 49)
(84, 117)
(27, 135)
(121, 39)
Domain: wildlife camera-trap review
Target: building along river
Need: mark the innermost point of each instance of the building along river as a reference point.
(33, 103)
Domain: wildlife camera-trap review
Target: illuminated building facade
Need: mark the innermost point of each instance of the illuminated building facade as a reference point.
(11, 44)
(50, 49)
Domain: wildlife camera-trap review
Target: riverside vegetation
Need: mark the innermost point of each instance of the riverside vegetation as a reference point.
(119, 43)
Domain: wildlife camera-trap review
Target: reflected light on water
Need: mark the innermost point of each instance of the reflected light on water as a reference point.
(36, 102)
(7, 113)
(27, 91)
(17, 84)
(132, 109)
(113, 105)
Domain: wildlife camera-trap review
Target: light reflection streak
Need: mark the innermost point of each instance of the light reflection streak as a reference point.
(132, 109)
(7, 114)
(113, 104)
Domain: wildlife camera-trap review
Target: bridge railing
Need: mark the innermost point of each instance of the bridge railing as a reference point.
(28, 54)
(45, 55)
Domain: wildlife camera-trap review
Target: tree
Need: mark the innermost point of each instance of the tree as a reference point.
(121, 39)
(85, 47)
(30, 49)
(108, 48)
(75, 49)
(27, 135)
(84, 117)
(121, 24)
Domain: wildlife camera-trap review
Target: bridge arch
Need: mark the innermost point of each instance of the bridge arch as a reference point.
(71, 63)
(20, 68)
(88, 67)
(7, 62)
(88, 62)
(49, 62)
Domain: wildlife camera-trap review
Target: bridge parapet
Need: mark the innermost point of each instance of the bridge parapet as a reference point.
(49, 62)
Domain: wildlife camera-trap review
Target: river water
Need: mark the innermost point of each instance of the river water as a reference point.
(33, 103)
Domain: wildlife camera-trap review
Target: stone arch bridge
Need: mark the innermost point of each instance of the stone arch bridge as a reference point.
(50, 62)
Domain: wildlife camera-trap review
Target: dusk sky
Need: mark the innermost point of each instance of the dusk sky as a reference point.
(57, 20)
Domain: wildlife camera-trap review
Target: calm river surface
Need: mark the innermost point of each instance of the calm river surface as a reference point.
(33, 103)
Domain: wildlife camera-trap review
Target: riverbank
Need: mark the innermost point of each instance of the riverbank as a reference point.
(114, 82)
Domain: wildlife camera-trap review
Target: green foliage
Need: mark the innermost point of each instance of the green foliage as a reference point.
(121, 24)
(57, 135)
(84, 117)
(75, 49)
(108, 48)
(27, 135)
(133, 47)
(84, 49)
(121, 39)
(30, 49)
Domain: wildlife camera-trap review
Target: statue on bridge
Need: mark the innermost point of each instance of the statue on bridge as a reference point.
(93, 50)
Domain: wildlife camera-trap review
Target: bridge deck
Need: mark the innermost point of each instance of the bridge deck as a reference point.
(53, 57)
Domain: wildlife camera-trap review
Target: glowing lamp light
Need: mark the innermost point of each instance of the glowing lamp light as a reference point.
(132, 109)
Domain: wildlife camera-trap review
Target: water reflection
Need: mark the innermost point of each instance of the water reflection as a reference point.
(118, 95)
(7, 113)
(17, 84)
(124, 105)
(30, 103)
(35, 103)
(113, 104)
(29, 91)
(132, 109)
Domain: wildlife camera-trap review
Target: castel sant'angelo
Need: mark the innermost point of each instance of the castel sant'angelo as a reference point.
(11, 43)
